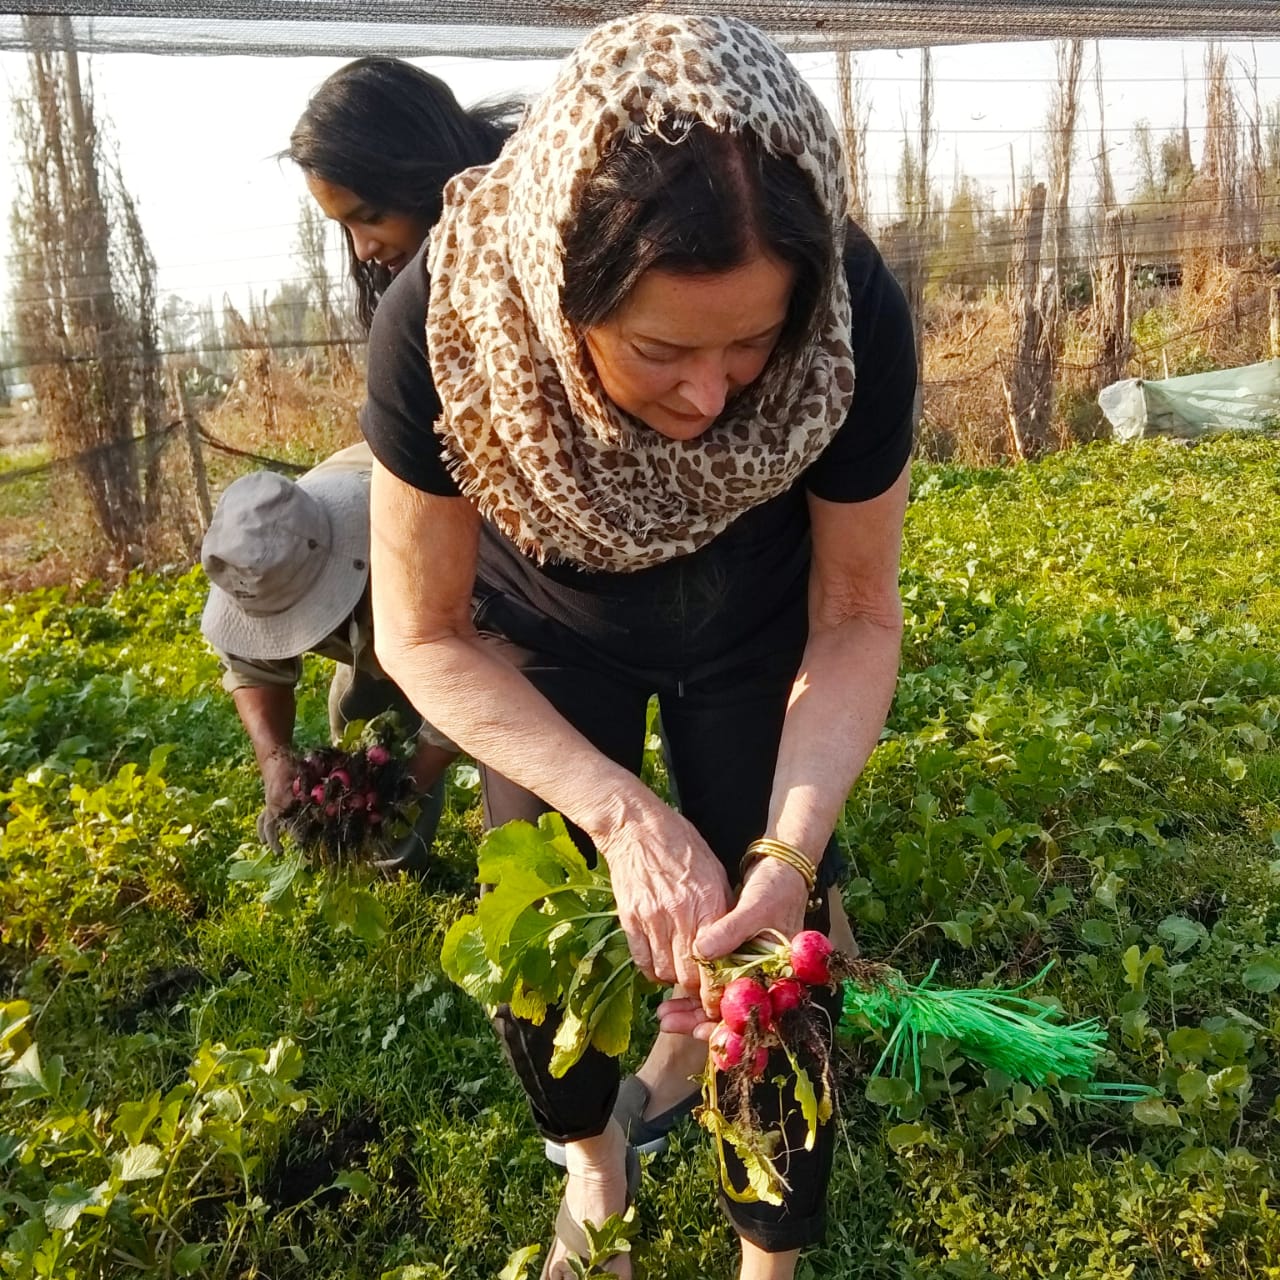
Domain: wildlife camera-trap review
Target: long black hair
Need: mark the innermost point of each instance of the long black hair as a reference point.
(394, 135)
(689, 199)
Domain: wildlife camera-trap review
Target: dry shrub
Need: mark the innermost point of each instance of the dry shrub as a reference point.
(310, 420)
(64, 564)
(49, 534)
(1080, 376)
(60, 543)
(55, 543)
(965, 343)
(1218, 321)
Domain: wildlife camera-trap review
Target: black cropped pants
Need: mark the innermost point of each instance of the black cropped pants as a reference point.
(722, 723)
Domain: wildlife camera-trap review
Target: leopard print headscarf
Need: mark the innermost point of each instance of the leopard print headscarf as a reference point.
(528, 433)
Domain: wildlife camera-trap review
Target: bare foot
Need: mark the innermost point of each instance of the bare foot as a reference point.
(596, 1188)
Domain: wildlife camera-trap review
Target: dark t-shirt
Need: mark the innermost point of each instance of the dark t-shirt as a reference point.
(691, 610)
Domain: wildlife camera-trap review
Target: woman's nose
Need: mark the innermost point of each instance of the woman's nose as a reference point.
(706, 387)
(365, 245)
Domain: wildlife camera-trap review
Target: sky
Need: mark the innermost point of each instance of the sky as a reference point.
(197, 135)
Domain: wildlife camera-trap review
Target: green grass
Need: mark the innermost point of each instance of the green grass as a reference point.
(1082, 765)
(23, 496)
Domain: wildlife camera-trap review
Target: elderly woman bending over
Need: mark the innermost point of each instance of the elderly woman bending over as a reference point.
(634, 441)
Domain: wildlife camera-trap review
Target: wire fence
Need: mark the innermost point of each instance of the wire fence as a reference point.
(176, 499)
(1242, 310)
(153, 444)
(301, 344)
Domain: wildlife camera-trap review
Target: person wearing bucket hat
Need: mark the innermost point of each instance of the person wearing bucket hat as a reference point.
(288, 567)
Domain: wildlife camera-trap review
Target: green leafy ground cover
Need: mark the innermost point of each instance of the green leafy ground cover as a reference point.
(1082, 765)
(24, 494)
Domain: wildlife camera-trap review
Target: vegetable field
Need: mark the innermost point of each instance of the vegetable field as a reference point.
(215, 1064)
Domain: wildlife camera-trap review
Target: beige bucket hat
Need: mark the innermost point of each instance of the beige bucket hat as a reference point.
(288, 561)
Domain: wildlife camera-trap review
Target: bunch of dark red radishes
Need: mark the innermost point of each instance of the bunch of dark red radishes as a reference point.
(756, 1009)
(766, 1003)
(347, 805)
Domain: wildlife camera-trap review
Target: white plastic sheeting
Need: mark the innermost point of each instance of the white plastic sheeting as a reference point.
(1242, 399)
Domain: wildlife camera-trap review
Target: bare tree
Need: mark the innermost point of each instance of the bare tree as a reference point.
(855, 115)
(1064, 106)
(255, 374)
(1184, 161)
(312, 244)
(1271, 140)
(1219, 177)
(84, 301)
(969, 254)
(915, 200)
(1254, 185)
(136, 271)
(1145, 147)
(1111, 274)
(1029, 389)
(1102, 161)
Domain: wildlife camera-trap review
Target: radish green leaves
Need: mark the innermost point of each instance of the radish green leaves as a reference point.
(545, 934)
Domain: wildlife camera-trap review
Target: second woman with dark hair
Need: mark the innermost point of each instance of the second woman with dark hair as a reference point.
(378, 141)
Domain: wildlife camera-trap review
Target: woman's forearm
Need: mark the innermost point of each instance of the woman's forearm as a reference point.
(842, 692)
(494, 714)
(426, 643)
(667, 883)
(838, 707)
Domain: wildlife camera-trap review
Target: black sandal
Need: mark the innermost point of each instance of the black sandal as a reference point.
(649, 1137)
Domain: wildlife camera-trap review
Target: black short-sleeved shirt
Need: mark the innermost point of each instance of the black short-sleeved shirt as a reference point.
(690, 610)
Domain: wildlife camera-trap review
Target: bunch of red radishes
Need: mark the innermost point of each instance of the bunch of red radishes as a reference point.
(769, 1004)
(347, 803)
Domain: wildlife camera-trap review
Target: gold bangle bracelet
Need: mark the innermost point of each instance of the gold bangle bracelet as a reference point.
(795, 858)
(792, 857)
(789, 854)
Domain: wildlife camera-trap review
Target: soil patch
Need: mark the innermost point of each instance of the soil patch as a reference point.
(315, 1155)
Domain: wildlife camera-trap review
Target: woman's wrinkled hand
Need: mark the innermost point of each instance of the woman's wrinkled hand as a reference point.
(775, 896)
(668, 886)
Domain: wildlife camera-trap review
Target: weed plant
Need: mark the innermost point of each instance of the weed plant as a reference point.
(1082, 765)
